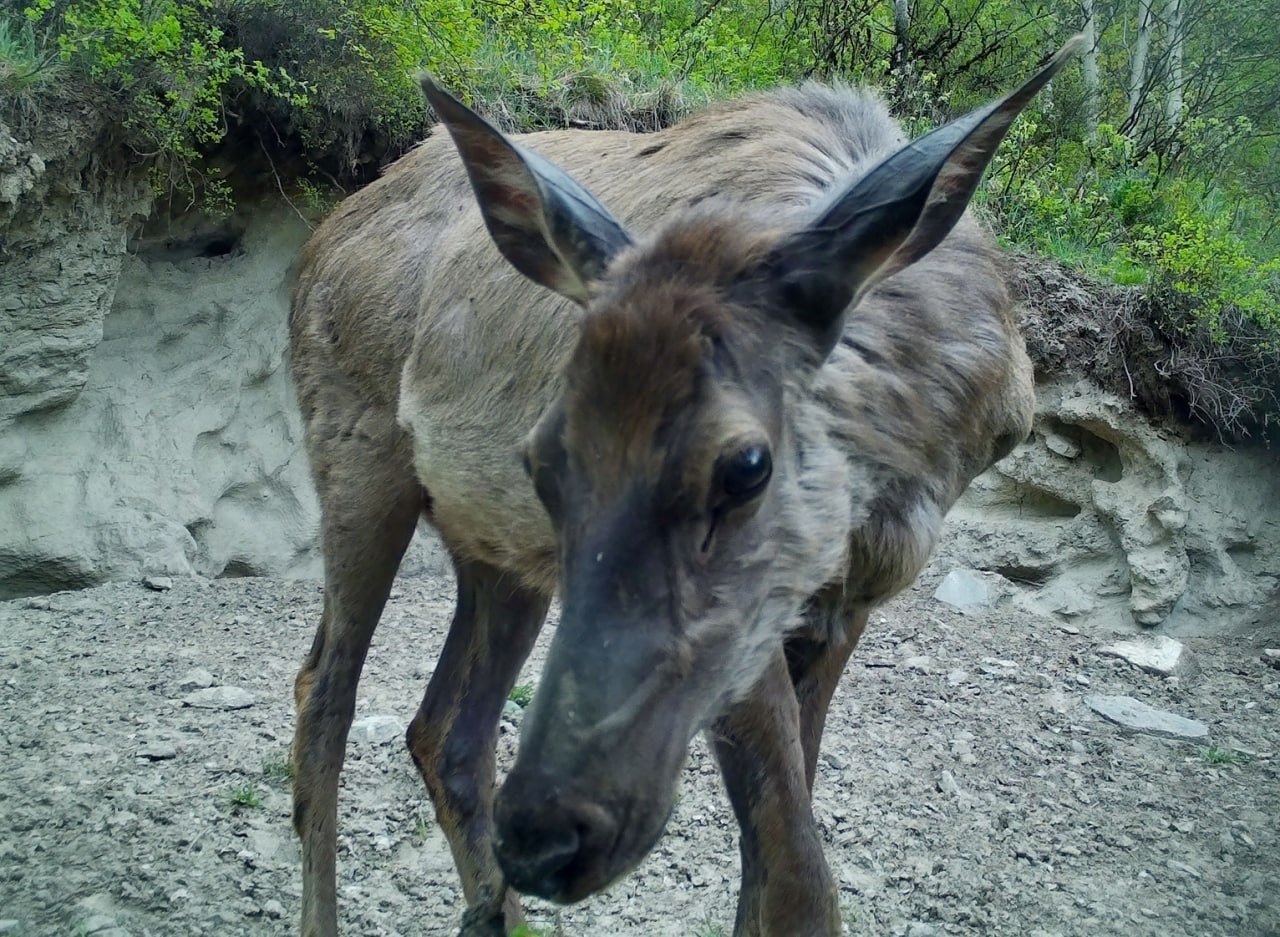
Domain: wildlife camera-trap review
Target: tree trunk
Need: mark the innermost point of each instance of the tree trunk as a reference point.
(1138, 62)
(901, 36)
(1089, 66)
(1173, 102)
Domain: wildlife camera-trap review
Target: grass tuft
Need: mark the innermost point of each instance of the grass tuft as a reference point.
(23, 64)
(1219, 757)
(244, 796)
(277, 768)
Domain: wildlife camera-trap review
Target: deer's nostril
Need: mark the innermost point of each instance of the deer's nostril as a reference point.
(537, 856)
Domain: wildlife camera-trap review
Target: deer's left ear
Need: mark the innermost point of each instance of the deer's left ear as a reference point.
(548, 226)
(892, 216)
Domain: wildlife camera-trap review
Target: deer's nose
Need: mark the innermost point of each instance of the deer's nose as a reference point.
(537, 855)
(547, 846)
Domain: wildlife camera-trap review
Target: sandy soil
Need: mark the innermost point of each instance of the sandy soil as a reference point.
(964, 788)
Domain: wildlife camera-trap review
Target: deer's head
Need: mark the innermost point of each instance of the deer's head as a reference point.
(666, 469)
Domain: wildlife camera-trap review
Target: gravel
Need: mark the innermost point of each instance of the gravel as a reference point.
(965, 788)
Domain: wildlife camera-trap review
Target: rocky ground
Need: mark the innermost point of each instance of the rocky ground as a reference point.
(965, 787)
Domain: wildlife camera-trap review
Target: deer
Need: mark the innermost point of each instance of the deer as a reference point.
(722, 420)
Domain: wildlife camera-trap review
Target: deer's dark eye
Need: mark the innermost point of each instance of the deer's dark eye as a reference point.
(747, 472)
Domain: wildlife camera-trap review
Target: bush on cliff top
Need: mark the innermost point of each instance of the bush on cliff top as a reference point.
(320, 93)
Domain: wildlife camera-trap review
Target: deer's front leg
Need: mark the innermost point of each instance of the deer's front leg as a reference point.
(453, 735)
(371, 502)
(787, 889)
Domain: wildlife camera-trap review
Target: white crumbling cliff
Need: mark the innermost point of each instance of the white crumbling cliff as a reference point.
(147, 426)
(1105, 518)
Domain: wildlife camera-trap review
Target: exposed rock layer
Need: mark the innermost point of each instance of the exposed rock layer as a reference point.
(147, 427)
(1105, 517)
(179, 451)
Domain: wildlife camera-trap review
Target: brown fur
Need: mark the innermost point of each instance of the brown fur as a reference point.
(424, 365)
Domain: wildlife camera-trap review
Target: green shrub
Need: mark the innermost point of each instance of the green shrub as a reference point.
(357, 62)
(322, 92)
(1205, 278)
(23, 64)
(168, 71)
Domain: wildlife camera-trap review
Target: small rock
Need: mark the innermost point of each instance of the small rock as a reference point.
(377, 730)
(1058, 700)
(921, 929)
(1067, 448)
(1068, 629)
(965, 589)
(1271, 656)
(947, 784)
(957, 677)
(1161, 655)
(512, 708)
(1026, 746)
(995, 667)
(97, 923)
(8, 925)
(1188, 870)
(40, 603)
(834, 760)
(272, 908)
(158, 750)
(219, 697)
(158, 583)
(864, 883)
(920, 662)
(1132, 714)
(197, 678)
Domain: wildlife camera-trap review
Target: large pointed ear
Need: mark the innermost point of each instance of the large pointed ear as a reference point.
(548, 226)
(895, 214)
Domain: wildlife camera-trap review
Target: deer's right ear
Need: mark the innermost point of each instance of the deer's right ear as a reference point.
(893, 215)
(548, 226)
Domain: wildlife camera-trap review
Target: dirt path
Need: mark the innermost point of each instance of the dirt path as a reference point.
(957, 794)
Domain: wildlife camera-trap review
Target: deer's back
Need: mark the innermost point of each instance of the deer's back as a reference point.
(403, 295)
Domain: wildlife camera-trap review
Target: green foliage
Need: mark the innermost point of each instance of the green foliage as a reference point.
(521, 695)
(23, 64)
(1207, 280)
(421, 825)
(357, 60)
(244, 796)
(322, 91)
(1221, 757)
(1198, 249)
(1075, 200)
(278, 769)
(170, 73)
